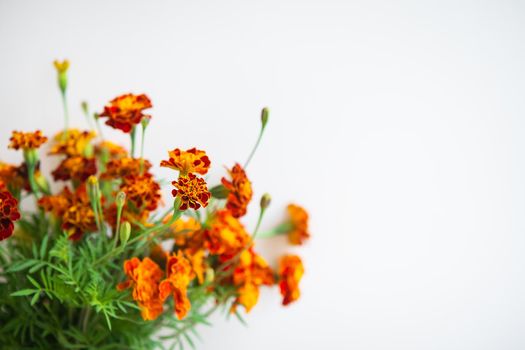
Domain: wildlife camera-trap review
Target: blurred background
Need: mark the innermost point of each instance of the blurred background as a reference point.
(398, 125)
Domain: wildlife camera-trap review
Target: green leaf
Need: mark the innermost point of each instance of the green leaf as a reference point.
(23, 292)
(219, 192)
(43, 247)
(22, 265)
(35, 283)
(35, 298)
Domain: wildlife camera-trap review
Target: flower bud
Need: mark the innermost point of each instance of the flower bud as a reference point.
(85, 107)
(145, 121)
(125, 232)
(265, 201)
(62, 68)
(210, 275)
(264, 116)
(219, 192)
(120, 200)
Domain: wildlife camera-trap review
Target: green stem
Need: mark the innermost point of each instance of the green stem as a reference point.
(132, 136)
(142, 151)
(254, 148)
(66, 113)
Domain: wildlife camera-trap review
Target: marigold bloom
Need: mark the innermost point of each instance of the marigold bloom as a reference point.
(178, 271)
(112, 150)
(240, 191)
(12, 176)
(144, 276)
(75, 168)
(142, 191)
(122, 167)
(78, 219)
(72, 142)
(57, 204)
(251, 272)
(192, 191)
(227, 235)
(27, 140)
(124, 112)
(299, 221)
(187, 162)
(183, 230)
(291, 271)
(8, 213)
(198, 265)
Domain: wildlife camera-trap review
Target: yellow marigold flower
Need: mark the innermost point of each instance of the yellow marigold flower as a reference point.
(122, 167)
(112, 150)
(124, 112)
(76, 168)
(8, 212)
(72, 142)
(291, 271)
(192, 191)
(27, 140)
(141, 190)
(299, 222)
(187, 162)
(79, 219)
(183, 230)
(251, 272)
(227, 235)
(61, 67)
(240, 191)
(178, 270)
(197, 262)
(144, 277)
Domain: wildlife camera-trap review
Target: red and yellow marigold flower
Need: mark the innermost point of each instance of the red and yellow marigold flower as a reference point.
(142, 191)
(291, 271)
(226, 236)
(144, 277)
(251, 272)
(187, 162)
(110, 150)
(12, 176)
(76, 168)
(239, 191)
(57, 204)
(192, 191)
(78, 219)
(122, 167)
(72, 142)
(126, 111)
(8, 212)
(178, 270)
(27, 140)
(299, 225)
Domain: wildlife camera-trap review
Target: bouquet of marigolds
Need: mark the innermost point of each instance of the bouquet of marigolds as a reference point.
(93, 265)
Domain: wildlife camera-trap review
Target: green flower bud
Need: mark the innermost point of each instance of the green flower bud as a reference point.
(62, 68)
(120, 200)
(265, 201)
(125, 232)
(219, 192)
(264, 116)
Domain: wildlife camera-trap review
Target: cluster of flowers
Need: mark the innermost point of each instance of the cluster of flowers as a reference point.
(110, 191)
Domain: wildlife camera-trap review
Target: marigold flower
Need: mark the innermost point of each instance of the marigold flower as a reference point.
(192, 191)
(57, 204)
(299, 222)
(78, 219)
(198, 265)
(72, 142)
(112, 150)
(144, 277)
(75, 168)
(291, 271)
(124, 112)
(240, 191)
(27, 140)
(141, 190)
(12, 176)
(251, 272)
(8, 213)
(227, 235)
(122, 167)
(178, 271)
(183, 230)
(187, 162)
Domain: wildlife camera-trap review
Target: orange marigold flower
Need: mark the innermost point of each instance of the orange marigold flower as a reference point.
(299, 223)
(187, 162)
(8, 213)
(144, 277)
(192, 191)
(142, 191)
(197, 262)
(183, 230)
(12, 176)
(291, 271)
(122, 167)
(178, 271)
(78, 219)
(111, 150)
(227, 235)
(75, 168)
(240, 191)
(27, 140)
(57, 204)
(251, 272)
(72, 142)
(124, 112)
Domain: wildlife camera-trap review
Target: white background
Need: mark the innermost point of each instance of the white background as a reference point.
(399, 125)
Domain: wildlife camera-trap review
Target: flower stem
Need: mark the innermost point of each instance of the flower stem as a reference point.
(66, 113)
(132, 136)
(254, 148)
